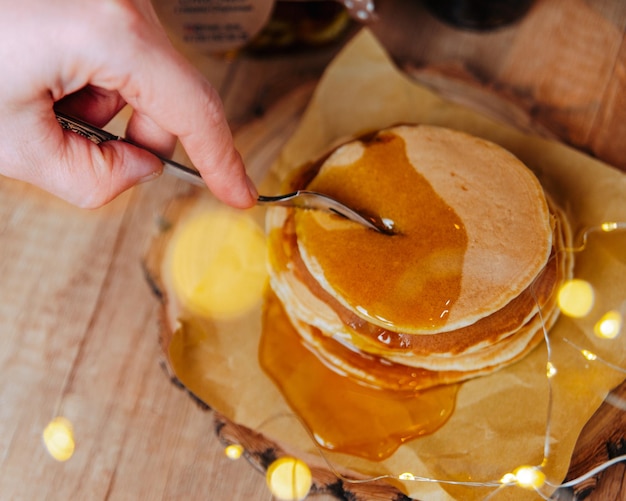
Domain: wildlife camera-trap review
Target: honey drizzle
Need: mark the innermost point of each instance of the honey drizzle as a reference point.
(341, 414)
(413, 278)
(489, 329)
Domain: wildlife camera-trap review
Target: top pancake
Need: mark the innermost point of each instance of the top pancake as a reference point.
(473, 223)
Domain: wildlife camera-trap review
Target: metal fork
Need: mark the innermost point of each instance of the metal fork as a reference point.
(301, 199)
(304, 199)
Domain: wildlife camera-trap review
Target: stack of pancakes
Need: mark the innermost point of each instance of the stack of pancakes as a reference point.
(467, 283)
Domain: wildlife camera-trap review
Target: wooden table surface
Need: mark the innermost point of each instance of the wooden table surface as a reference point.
(77, 319)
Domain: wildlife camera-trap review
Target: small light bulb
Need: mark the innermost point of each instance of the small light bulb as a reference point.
(609, 226)
(233, 451)
(609, 326)
(589, 355)
(529, 477)
(289, 479)
(550, 370)
(406, 476)
(508, 478)
(58, 437)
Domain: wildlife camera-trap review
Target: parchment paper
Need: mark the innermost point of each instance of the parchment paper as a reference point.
(500, 420)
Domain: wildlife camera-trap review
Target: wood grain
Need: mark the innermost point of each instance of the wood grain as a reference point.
(603, 438)
(565, 61)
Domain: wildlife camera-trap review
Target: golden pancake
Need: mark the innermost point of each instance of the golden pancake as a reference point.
(395, 369)
(467, 285)
(473, 222)
(314, 305)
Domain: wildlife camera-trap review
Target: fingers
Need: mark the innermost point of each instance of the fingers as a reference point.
(168, 89)
(209, 144)
(73, 168)
(97, 106)
(142, 130)
(90, 175)
(92, 104)
(124, 56)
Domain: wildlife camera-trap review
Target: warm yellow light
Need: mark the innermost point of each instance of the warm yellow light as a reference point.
(576, 298)
(529, 477)
(289, 479)
(58, 437)
(609, 226)
(218, 263)
(550, 370)
(233, 451)
(589, 355)
(508, 478)
(609, 326)
(406, 476)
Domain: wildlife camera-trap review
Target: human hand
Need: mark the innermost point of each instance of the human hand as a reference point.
(88, 59)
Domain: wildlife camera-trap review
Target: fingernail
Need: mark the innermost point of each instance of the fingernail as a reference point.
(252, 188)
(150, 177)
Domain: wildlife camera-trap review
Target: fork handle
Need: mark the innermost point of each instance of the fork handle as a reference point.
(96, 135)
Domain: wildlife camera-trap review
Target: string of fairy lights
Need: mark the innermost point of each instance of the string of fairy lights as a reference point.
(575, 299)
(289, 478)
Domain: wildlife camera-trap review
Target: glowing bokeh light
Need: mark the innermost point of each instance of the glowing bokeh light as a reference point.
(508, 478)
(609, 325)
(406, 476)
(550, 370)
(576, 298)
(609, 226)
(218, 263)
(589, 355)
(529, 477)
(233, 451)
(58, 437)
(289, 479)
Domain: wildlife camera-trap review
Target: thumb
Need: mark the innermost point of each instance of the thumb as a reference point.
(74, 168)
(90, 175)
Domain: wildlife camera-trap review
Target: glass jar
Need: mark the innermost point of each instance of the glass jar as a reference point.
(478, 14)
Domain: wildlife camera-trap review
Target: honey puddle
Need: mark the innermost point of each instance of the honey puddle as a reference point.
(340, 413)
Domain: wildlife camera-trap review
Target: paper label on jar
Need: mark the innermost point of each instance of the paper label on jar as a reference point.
(213, 25)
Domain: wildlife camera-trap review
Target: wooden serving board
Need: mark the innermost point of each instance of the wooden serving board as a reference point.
(603, 438)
